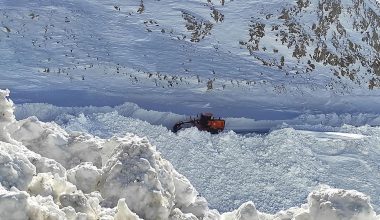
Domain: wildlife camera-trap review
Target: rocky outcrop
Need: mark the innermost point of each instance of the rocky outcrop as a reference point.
(340, 36)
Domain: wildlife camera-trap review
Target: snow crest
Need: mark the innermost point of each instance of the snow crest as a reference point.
(48, 173)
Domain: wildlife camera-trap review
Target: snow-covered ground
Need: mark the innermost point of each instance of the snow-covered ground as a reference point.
(275, 170)
(48, 173)
(109, 68)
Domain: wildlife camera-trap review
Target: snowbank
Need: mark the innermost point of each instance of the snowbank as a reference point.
(77, 175)
(306, 121)
(275, 170)
(47, 173)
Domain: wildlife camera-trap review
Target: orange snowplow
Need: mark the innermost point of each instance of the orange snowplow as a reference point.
(206, 122)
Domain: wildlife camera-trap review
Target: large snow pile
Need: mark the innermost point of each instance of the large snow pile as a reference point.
(47, 173)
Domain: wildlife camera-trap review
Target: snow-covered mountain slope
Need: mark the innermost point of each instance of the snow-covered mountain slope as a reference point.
(320, 37)
(200, 55)
(48, 173)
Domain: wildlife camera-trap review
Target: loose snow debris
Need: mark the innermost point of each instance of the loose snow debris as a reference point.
(15, 168)
(124, 213)
(47, 184)
(80, 176)
(245, 211)
(85, 176)
(43, 207)
(80, 203)
(13, 204)
(178, 215)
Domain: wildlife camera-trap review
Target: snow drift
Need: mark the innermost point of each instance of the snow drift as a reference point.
(47, 173)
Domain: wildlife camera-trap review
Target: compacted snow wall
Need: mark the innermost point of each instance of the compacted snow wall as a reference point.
(48, 173)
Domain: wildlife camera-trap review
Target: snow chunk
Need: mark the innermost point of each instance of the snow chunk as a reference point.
(80, 203)
(246, 211)
(124, 213)
(199, 207)
(74, 203)
(70, 213)
(46, 165)
(107, 213)
(177, 214)
(185, 193)
(44, 208)
(47, 184)
(13, 204)
(85, 176)
(15, 168)
(84, 206)
(18, 205)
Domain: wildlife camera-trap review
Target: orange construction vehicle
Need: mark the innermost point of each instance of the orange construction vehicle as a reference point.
(206, 122)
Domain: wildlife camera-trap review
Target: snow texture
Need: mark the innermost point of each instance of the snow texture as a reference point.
(276, 169)
(132, 181)
(71, 53)
(130, 176)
